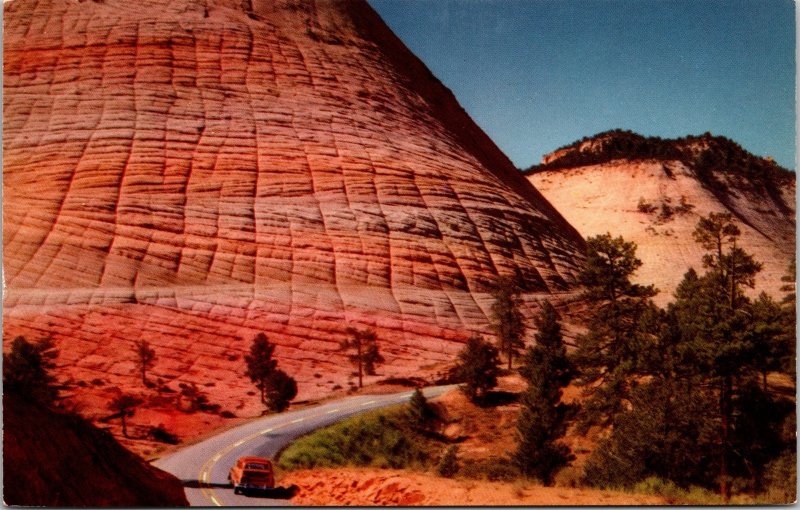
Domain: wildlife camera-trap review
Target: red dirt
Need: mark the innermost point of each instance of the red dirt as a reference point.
(374, 487)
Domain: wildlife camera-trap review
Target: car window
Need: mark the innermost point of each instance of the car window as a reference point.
(256, 465)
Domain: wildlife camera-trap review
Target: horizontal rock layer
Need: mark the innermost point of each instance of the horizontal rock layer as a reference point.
(194, 172)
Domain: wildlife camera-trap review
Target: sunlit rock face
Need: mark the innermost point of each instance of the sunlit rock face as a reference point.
(194, 172)
(653, 192)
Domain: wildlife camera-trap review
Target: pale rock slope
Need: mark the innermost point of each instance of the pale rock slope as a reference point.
(194, 172)
(652, 192)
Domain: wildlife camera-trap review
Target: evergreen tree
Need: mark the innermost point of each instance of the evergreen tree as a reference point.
(608, 355)
(419, 412)
(281, 389)
(145, 358)
(715, 323)
(365, 356)
(27, 370)
(260, 365)
(543, 418)
(771, 346)
(477, 368)
(448, 465)
(277, 388)
(125, 405)
(665, 433)
(507, 320)
(788, 305)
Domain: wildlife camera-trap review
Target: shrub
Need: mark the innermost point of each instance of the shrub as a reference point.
(162, 435)
(378, 439)
(645, 207)
(448, 465)
(676, 495)
(477, 368)
(418, 411)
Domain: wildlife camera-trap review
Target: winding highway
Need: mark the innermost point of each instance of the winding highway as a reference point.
(203, 467)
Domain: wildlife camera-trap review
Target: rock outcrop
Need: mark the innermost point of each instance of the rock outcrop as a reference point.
(192, 173)
(59, 459)
(653, 191)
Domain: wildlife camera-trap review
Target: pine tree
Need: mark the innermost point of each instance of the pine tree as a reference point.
(276, 387)
(789, 308)
(418, 410)
(27, 370)
(281, 389)
(716, 325)
(609, 354)
(477, 368)
(507, 319)
(260, 364)
(543, 418)
(766, 331)
(145, 358)
(365, 356)
(448, 465)
(125, 405)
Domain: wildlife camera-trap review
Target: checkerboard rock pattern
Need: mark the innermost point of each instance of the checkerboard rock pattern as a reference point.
(194, 172)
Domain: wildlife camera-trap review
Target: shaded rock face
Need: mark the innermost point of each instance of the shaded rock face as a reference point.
(656, 195)
(55, 459)
(194, 172)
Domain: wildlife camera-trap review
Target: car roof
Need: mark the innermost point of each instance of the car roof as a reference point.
(254, 459)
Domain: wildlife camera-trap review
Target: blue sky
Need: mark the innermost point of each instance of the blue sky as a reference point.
(539, 74)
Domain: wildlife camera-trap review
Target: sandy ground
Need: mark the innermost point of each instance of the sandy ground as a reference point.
(373, 487)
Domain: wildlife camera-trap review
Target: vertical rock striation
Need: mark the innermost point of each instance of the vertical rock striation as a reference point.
(194, 172)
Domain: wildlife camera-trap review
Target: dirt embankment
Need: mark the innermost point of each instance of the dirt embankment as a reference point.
(373, 487)
(55, 459)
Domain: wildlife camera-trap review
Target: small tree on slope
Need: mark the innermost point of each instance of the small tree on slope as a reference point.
(145, 358)
(477, 368)
(507, 320)
(365, 356)
(277, 388)
(543, 418)
(27, 370)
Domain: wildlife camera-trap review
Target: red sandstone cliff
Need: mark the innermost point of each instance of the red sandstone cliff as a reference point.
(194, 172)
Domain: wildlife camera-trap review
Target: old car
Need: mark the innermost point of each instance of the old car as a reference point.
(251, 473)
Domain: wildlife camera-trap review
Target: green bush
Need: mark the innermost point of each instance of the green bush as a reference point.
(674, 494)
(380, 439)
(448, 465)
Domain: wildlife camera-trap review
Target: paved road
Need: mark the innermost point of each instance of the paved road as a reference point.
(204, 466)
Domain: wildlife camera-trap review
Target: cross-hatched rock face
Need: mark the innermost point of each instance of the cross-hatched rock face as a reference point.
(194, 172)
(657, 205)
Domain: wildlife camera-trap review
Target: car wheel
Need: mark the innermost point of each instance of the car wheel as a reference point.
(237, 490)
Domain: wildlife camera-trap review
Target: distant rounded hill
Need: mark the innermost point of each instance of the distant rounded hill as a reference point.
(191, 173)
(653, 191)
